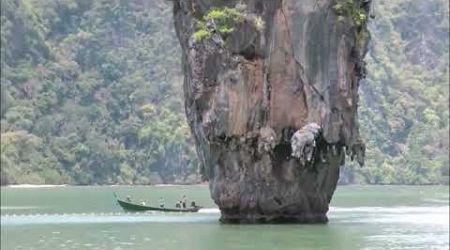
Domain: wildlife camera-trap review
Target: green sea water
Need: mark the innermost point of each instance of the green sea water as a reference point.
(360, 217)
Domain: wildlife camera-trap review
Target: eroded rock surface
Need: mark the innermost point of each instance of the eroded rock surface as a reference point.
(271, 93)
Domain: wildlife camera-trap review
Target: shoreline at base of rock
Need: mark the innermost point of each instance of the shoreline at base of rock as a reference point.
(275, 219)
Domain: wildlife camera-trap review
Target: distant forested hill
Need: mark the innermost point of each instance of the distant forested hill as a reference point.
(91, 93)
(404, 102)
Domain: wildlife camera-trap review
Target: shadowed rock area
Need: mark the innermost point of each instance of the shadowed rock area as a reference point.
(271, 94)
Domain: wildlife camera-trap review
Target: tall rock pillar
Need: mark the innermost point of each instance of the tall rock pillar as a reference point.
(271, 97)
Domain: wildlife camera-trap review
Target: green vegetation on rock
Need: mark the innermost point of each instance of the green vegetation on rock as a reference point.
(201, 34)
(347, 8)
(223, 20)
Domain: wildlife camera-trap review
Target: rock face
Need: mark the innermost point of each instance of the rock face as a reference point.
(271, 93)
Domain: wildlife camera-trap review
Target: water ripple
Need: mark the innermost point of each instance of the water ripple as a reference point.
(92, 218)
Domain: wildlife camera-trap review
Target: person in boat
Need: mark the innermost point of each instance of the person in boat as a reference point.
(184, 201)
(178, 204)
(193, 204)
(128, 198)
(161, 202)
(143, 203)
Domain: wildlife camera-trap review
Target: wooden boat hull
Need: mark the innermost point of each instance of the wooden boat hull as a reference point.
(127, 206)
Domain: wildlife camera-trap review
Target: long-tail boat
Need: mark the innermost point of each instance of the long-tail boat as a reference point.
(130, 206)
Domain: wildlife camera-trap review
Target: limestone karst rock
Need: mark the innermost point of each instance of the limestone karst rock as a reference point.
(271, 94)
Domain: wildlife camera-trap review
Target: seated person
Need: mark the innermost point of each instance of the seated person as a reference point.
(161, 202)
(184, 201)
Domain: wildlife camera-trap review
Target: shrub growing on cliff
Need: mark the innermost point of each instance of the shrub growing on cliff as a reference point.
(349, 9)
(225, 15)
(223, 20)
(202, 34)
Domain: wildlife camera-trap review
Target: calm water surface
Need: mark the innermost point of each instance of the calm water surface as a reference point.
(361, 217)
